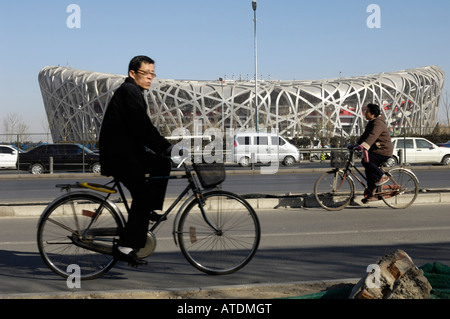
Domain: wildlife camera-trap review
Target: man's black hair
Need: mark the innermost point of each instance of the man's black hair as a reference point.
(136, 62)
(373, 109)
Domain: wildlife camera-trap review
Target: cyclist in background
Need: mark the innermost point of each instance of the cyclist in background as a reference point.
(376, 140)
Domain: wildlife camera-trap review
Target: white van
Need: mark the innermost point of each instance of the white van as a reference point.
(266, 147)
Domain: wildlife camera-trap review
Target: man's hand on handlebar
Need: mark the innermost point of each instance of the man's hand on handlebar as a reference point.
(358, 148)
(168, 151)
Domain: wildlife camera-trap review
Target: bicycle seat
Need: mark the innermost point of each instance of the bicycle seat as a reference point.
(98, 187)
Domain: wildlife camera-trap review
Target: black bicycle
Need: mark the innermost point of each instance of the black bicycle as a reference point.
(335, 189)
(218, 231)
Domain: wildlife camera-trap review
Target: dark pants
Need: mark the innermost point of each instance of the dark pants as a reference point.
(146, 197)
(373, 171)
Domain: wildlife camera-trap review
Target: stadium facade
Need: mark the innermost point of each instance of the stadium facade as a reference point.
(75, 101)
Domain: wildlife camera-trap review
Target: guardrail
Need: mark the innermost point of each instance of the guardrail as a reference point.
(306, 153)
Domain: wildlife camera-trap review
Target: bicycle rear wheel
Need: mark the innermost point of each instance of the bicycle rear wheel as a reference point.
(334, 190)
(62, 240)
(231, 246)
(401, 190)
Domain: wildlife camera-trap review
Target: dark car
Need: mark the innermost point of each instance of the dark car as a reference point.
(446, 144)
(66, 157)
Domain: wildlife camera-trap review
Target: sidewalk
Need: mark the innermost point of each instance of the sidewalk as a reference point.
(241, 292)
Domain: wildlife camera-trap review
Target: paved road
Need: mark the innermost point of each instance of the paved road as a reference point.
(297, 245)
(287, 181)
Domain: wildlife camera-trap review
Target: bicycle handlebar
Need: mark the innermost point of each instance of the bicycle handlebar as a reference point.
(352, 148)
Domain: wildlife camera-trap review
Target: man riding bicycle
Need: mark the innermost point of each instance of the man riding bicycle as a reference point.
(376, 140)
(131, 147)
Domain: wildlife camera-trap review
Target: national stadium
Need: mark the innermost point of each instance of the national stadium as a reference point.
(75, 101)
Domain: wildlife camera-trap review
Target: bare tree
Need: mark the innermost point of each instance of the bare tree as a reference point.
(14, 127)
(46, 127)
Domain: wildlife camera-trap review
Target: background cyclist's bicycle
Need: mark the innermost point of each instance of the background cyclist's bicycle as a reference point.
(218, 231)
(334, 190)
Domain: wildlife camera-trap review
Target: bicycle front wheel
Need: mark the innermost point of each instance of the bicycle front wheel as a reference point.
(401, 190)
(233, 241)
(63, 240)
(334, 190)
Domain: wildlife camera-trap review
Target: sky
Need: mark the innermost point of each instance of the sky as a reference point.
(208, 39)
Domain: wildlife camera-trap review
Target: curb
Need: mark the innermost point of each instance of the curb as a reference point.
(257, 201)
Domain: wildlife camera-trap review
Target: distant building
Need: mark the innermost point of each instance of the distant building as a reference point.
(75, 101)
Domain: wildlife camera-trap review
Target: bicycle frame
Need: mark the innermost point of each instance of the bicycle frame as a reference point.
(192, 185)
(348, 171)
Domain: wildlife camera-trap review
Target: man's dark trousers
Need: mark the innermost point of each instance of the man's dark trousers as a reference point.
(373, 171)
(146, 196)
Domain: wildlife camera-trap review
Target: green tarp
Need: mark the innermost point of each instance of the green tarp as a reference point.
(438, 276)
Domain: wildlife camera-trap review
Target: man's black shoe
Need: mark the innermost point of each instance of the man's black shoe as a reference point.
(154, 217)
(370, 199)
(132, 259)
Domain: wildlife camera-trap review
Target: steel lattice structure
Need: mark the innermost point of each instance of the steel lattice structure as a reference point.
(75, 101)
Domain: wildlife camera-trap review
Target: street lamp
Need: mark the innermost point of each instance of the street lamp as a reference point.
(256, 69)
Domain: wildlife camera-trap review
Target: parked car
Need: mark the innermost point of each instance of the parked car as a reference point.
(8, 156)
(418, 150)
(446, 144)
(266, 147)
(65, 157)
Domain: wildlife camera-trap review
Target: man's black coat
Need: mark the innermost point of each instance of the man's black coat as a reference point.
(126, 131)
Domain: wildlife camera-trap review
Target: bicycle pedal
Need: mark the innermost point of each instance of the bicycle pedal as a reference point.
(155, 217)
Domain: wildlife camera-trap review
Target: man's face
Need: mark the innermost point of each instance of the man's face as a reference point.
(369, 116)
(144, 76)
